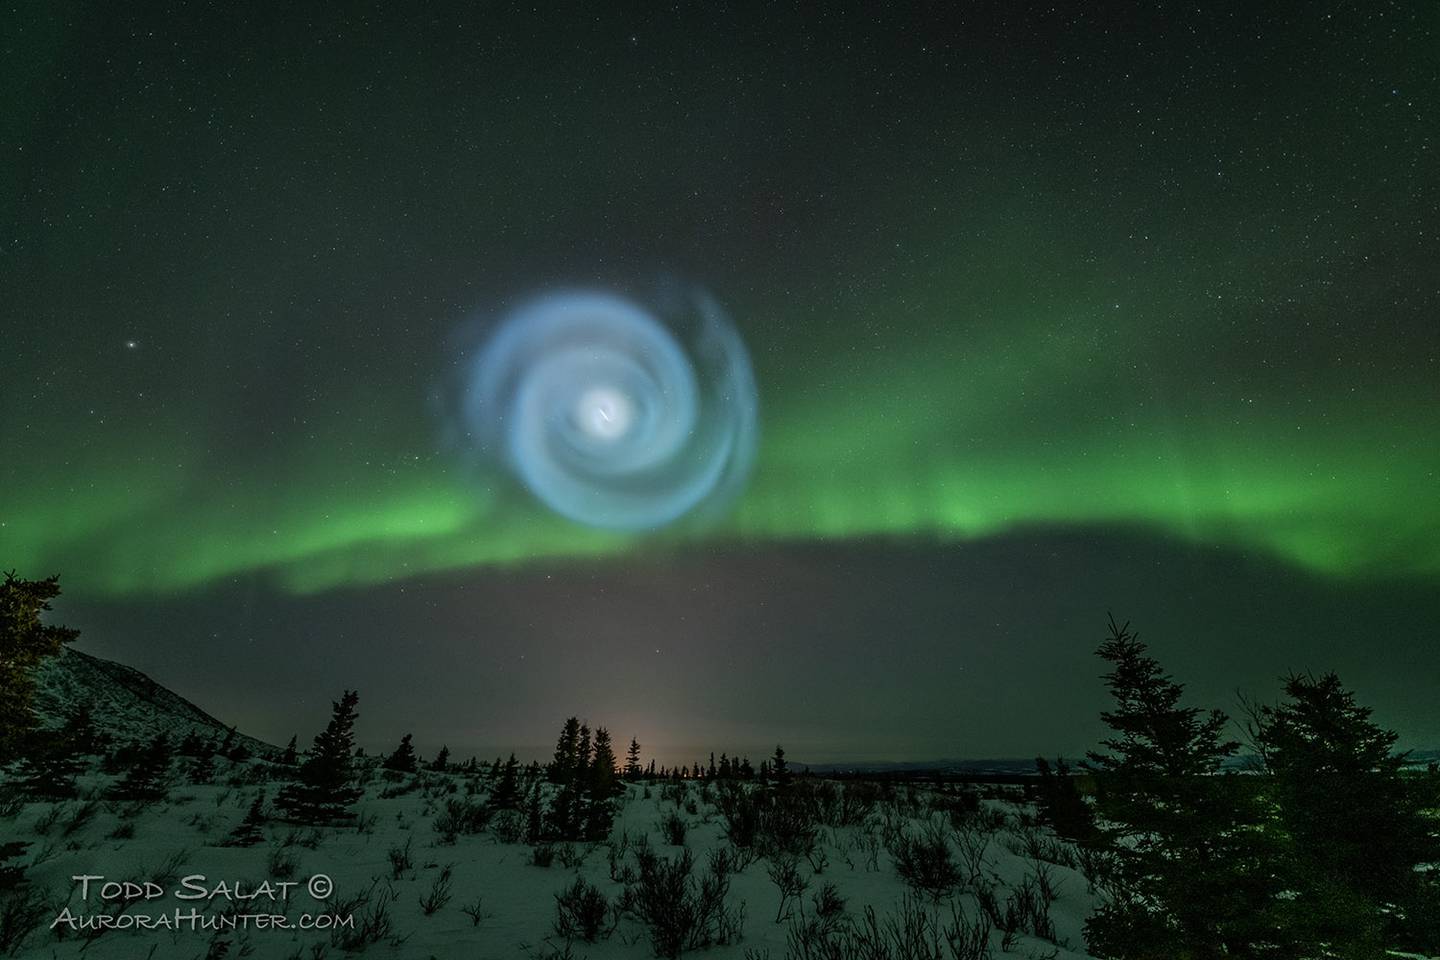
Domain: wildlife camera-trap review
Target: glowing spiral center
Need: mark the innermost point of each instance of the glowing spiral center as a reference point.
(605, 413)
(615, 414)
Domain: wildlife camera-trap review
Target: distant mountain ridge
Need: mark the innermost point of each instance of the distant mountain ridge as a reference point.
(1004, 767)
(124, 703)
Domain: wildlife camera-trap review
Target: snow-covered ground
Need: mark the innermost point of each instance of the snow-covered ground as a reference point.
(413, 892)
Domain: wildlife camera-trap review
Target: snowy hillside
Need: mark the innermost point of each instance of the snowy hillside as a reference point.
(429, 869)
(124, 703)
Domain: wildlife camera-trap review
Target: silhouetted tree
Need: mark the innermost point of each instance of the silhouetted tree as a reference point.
(506, 793)
(201, 768)
(237, 751)
(1356, 826)
(441, 762)
(602, 788)
(779, 769)
(193, 745)
(291, 756)
(1061, 805)
(25, 643)
(583, 751)
(1193, 878)
(80, 733)
(149, 776)
(324, 787)
(48, 765)
(632, 761)
(403, 759)
(248, 833)
(562, 767)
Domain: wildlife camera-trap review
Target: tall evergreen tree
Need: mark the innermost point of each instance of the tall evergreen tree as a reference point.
(1356, 826)
(779, 768)
(562, 767)
(441, 763)
(506, 793)
(603, 786)
(632, 761)
(403, 759)
(25, 643)
(291, 756)
(1193, 876)
(583, 751)
(324, 787)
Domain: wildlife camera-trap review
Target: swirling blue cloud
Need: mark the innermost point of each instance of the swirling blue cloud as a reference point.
(616, 413)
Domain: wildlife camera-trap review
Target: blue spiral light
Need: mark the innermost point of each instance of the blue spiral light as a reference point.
(613, 413)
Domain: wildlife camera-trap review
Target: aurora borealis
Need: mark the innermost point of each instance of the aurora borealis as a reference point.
(1160, 276)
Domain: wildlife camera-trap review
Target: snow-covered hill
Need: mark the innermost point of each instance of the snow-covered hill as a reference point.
(124, 703)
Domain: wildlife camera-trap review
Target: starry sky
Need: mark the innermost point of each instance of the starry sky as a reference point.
(1051, 312)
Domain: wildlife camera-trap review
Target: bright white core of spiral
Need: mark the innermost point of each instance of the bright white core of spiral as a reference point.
(604, 413)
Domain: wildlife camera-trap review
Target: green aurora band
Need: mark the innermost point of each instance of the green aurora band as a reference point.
(1117, 286)
(1060, 414)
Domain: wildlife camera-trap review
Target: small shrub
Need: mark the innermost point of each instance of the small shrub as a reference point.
(924, 862)
(400, 859)
(282, 864)
(784, 872)
(462, 817)
(581, 911)
(439, 893)
(475, 912)
(371, 910)
(672, 827)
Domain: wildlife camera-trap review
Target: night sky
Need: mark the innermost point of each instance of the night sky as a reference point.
(1050, 313)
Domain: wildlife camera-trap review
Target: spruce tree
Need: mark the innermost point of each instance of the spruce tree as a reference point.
(148, 778)
(1356, 825)
(1061, 805)
(583, 751)
(324, 787)
(1193, 881)
(25, 643)
(602, 787)
(534, 816)
(291, 756)
(441, 763)
(779, 768)
(48, 766)
(632, 761)
(562, 767)
(80, 733)
(238, 752)
(248, 832)
(601, 774)
(403, 759)
(506, 793)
